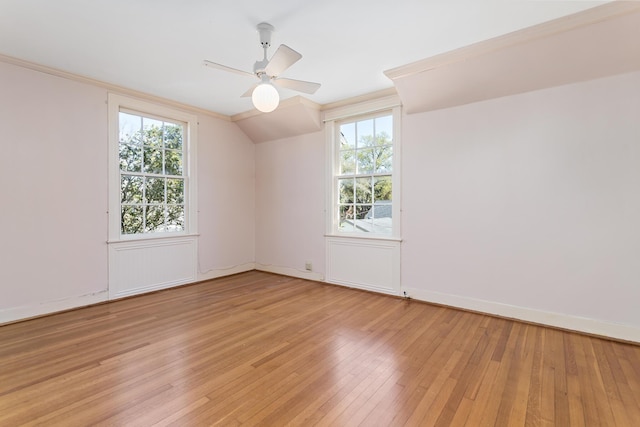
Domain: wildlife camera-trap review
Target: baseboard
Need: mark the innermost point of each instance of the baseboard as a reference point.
(363, 286)
(151, 288)
(558, 320)
(288, 271)
(221, 272)
(15, 314)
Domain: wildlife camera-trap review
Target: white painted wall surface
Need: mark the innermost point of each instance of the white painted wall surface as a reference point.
(290, 205)
(226, 199)
(53, 189)
(53, 194)
(529, 204)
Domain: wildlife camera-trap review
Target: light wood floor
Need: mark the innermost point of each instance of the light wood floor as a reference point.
(262, 349)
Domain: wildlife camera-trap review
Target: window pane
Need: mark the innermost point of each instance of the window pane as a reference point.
(173, 136)
(130, 128)
(362, 211)
(154, 191)
(363, 190)
(382, 225)
(175, 218)
(384, 159)
(346, 218)
(345, 190)
(131, 219)
(175, 191)
(366, 161)
(381, 210)
(382, 189)
(154, 218)
(347, 136)
(347, 162)
(365, 133)
(384, 129)
(130, 158)
(153, 160)
(152, 132)
(363, 221)
(173, 162)
(131, 189)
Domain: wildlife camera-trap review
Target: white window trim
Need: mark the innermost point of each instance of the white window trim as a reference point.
(117, 102)
(331, 118)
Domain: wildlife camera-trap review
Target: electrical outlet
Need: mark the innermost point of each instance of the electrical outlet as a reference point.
(308, 266)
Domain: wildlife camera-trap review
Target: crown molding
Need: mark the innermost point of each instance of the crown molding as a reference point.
(110, 87)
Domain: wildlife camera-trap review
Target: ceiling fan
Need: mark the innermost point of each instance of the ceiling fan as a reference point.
(264, 95)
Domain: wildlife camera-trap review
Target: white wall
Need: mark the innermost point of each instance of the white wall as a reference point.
(53, 192)
(529, 205)
(290, 205)
(226, 200)
(53, 188)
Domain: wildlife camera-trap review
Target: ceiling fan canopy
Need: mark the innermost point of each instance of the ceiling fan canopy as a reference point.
(268, 72)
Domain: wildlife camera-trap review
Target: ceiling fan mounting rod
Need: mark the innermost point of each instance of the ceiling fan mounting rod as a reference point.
(265, 31)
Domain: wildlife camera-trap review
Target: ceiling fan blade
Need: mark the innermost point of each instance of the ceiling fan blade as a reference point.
(249, 92)
(298, 85)
(284, 58)
(225, 68)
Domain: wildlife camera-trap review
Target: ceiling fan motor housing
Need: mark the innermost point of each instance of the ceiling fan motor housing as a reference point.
(259, 66)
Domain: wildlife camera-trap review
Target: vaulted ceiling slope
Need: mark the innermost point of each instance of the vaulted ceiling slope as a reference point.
(599, 42)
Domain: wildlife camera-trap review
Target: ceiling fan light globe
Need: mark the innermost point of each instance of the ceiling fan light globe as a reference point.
(265, 98)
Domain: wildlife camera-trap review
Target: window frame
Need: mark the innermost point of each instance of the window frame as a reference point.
(333, 120)
(118, 103)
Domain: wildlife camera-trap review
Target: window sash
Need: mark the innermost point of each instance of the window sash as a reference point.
(337, 205)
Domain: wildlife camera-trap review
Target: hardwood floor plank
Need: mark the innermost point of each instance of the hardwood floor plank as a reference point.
(263, 349)
(534, 412)
(577, 414)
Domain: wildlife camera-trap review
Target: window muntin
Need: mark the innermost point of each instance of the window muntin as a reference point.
(363, 179)
(152, 174)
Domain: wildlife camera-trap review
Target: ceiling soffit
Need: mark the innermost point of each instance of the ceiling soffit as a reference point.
(596, 43)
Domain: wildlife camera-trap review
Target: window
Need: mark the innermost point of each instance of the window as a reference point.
(151, 174)
(151, 193)
(363, 181)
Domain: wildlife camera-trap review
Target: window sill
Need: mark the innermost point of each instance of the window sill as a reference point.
(146, 238)
(359, 236)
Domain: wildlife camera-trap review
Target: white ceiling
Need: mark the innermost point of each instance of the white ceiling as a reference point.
(157, 46)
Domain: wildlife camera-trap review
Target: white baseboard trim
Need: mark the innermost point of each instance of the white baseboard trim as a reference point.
(228, 271)
(29, 311)
(363, 286)
(151, 288)
(15, 314)
(564, 321)
(288, 271)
